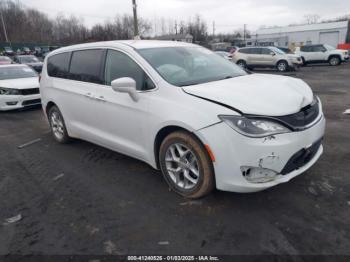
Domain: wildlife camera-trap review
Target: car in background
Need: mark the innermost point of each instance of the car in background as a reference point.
(44, 51)
(26, 51)
(8, 51)
(19, 87)
(285, 49)
(269, 57)
(5, 60)
(200, 119)
(322, 54)
(226, 55)
(29, 60)
(37, 51)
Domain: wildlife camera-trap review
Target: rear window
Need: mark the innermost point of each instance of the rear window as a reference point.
(87, 66)
(57, 65)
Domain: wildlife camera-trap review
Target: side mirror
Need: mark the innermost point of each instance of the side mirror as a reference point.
(126, 85)
(272, 53)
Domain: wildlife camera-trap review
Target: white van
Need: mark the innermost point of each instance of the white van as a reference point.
(199, 118)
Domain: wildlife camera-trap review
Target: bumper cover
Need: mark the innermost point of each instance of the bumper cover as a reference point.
(17, 102)
(232, 151)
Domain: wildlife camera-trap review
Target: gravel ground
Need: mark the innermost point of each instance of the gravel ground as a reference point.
(83, 199)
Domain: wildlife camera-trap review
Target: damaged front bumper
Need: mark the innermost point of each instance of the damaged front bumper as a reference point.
(245, 164)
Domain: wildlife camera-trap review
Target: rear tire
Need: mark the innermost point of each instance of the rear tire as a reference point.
(57, 125)
(186, 165)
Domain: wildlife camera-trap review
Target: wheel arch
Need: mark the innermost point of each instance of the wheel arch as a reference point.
(282, 60)
(163, 133)
(334, 55)
(49, 105)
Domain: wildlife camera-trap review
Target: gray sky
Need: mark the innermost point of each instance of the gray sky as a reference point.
(228, 14)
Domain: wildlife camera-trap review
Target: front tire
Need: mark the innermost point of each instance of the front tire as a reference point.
(282, 66)
(186, 165)
(57, 125)
(242, 64)
(334, 61)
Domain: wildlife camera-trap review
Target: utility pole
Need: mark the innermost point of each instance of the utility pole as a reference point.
(213, 29)
(3, 24)
(136, 26)
(244, 34)
(175, 27)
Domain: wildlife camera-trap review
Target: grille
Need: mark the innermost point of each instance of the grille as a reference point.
(301, 158)
(29, 91)
(31, 102)
(303, 118)
(298, 121)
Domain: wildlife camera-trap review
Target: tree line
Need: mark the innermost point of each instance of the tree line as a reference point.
(25, 24)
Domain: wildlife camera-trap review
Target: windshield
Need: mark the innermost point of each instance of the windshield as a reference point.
(7, 48)
(14, 72)
(4, 59)
(277, 50)
(182, 66)
(29, 59)
(329, 47)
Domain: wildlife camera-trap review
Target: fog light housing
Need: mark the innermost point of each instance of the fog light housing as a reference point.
(11, 103)
(258, 174)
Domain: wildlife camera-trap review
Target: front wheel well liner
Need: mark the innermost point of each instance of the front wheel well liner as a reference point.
(162, 134)
(282, 60)
(330, 56)
(48, 107)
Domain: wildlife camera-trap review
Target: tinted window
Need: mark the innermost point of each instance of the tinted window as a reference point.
(120, 65)
(266, 51)
(305, 48)
(255, 51)
(244, 51)
(57, 65)
(319, 48)
(87, 66)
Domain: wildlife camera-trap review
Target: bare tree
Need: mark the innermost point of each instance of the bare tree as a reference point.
(312, 18)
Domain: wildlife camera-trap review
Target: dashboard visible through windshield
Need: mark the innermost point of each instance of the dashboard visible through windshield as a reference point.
(183, 66)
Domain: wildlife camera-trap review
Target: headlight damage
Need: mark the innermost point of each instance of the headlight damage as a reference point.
(254, 127)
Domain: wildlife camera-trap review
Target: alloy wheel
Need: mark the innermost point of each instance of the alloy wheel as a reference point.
(57, 125)
(282, 67)
(182, 166)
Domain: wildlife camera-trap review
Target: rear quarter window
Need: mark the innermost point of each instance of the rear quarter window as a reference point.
(57, 65)
(243, 51)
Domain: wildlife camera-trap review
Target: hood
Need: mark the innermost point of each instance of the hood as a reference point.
(257, 94)
(20, 83)
(342, 51)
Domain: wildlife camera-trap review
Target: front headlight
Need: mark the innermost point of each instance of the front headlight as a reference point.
(254, 127)
(9, 91)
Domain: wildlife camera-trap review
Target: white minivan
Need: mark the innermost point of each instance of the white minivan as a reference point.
(200, 119)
